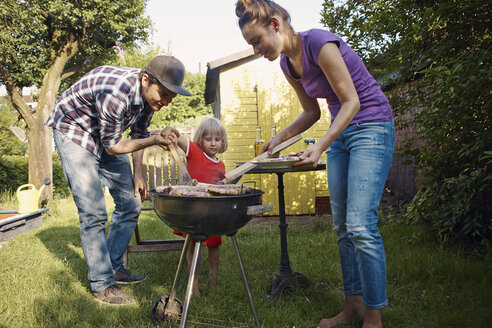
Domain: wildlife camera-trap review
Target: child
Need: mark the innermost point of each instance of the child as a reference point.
(204, 166)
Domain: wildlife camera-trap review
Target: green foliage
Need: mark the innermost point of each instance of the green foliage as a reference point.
(452, 39)
(368, 25)
(14, 173)
(35, 31)
(137, 57)
(182, 107)
(60, 184)
(401, 36)
(10, 145)
(455, 170)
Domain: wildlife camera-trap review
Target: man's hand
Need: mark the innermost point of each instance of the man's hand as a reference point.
(167, 136)
(140, 188)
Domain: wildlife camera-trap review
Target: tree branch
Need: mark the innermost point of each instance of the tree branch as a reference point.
(43, 13)
(15, 94)
(67, 74)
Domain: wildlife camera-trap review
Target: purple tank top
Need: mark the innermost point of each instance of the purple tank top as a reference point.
(374, 106)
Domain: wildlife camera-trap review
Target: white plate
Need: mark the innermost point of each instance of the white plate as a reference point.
(277, 163)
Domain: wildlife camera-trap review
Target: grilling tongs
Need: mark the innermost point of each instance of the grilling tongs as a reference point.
(244, 168)
(182, 167)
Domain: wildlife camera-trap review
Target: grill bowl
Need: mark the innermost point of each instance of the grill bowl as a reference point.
(206, 216)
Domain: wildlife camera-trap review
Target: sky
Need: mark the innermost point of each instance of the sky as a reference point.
(199, 31)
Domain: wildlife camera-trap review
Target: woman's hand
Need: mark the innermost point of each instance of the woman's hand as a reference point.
(268, 147)
(310, 156)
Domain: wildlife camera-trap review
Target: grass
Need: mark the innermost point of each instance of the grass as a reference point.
(43, 279)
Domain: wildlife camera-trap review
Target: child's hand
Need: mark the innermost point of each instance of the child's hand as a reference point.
(170, 132)
(167, 136)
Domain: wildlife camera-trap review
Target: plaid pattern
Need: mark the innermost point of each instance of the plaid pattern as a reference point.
(96, 110)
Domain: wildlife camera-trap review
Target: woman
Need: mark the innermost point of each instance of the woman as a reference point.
(359, 143)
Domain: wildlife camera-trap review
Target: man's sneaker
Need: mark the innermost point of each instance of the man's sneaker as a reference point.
(124, 276)
(114, 295)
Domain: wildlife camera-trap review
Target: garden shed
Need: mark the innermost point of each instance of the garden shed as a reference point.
(247, 93)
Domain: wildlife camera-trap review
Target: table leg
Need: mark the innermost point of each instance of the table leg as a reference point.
(285, 278)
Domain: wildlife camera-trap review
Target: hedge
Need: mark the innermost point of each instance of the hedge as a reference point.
(14, 173)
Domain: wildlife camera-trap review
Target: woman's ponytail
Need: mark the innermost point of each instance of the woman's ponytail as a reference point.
(260, 11)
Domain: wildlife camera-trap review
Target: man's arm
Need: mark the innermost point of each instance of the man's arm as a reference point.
(138, 181)
(125, 146)
(136, 147)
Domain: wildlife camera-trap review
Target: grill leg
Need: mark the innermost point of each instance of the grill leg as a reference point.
(182, 259)
(191, 278)
(245, 281)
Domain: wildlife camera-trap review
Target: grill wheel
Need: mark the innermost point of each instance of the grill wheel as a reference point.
(165, 310)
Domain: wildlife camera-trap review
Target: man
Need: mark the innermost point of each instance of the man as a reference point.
(88, 122)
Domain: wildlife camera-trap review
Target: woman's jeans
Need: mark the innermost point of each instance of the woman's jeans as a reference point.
(85, 174)
(358, 162)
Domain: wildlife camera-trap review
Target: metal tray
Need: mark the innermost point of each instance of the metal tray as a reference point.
(276, 163)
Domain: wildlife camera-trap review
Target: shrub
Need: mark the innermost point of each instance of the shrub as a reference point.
(14, 173)
(453, 164)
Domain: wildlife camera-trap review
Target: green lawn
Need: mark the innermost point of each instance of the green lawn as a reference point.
(43, 278)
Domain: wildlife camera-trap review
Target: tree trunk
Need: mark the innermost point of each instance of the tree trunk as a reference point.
(40, 157)
(40, 137)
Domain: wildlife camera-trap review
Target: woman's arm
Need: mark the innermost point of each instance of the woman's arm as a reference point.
(310, 115)
(331, 63)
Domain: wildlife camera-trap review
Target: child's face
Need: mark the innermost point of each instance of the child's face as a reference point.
(211, 144)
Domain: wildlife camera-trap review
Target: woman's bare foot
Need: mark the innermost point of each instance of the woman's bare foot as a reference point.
(372, 319)
(341, 318)
(352, 312)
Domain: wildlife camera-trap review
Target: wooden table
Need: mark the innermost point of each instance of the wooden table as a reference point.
(285, 277)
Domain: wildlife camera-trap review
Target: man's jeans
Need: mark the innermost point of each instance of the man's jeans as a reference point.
(358, 162)
(85, 174)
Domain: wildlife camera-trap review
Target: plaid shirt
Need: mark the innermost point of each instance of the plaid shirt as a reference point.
(96, 110)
